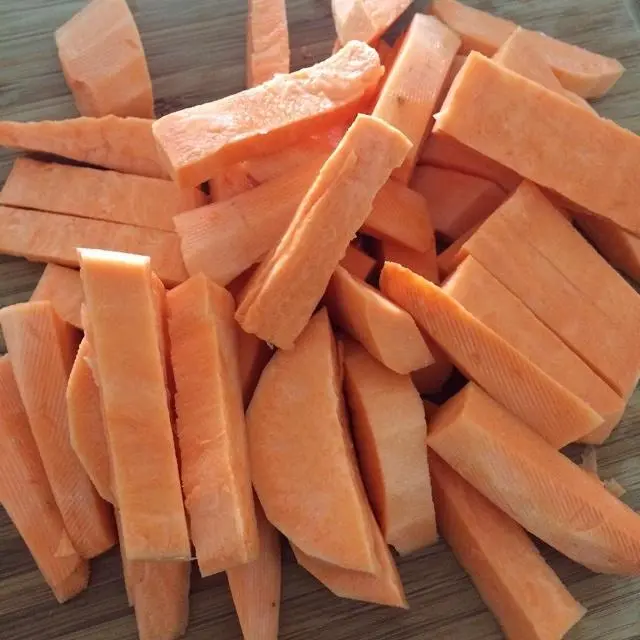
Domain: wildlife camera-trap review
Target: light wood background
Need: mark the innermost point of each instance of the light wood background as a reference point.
(195, 50)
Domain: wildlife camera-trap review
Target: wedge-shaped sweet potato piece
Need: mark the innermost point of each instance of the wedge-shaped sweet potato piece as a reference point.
(423, 263)
(358, 263)
(63, 288)
(365, 20)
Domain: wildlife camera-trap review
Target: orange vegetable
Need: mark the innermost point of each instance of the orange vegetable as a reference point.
(51, 237)
(487, 359)
(307, 479)
(432, 379)
(43, 349)
(34, 513)
(287, 287)
(389, 430)
(198, 141)
(358, 263)
(534, 484)
(256, 587)
(101, 195)
(63, 288)
(583, 72)
(267, 40)
(457, 202)
(365, 20)
(210, 425)
(495, 306)
(496, 100)
(412, 90)
(422, 263)
(103, 61)
(382, 587)
(86, 427)
(456, 65)
(385, 330)
(121, 144)
(452, 256)
(502, 561)
(122, 311)
(230, 182)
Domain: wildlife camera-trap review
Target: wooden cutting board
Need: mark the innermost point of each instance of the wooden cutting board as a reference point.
(196, 53)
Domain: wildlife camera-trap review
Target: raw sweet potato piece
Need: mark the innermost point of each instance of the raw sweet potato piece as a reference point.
(256, 587)
(358, 263)
(457, 202)
(387, 332)
(502, 561)
(86, 426)
(534, 484)
(452, 256)
(122, 311)
(50, 237)
(489, 360)
(288, 285)
(230, 182)
(307, 478)
(413, 87)
(103, 61)
(389, 430)
(210, 425)
(365, 20)
(43, 349)
(431, 379)
(267, 40)
(63, 288)
(121, 144)
(34, 512)
(198, 141)
(100, 195)
(422, 263)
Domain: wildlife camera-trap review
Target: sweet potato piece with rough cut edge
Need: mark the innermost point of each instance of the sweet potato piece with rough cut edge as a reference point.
(388, 332)
(412, 89)
(289, 284)
(365, 20)
(96, 194)
(63, 288)
(422, 263)
(537, 486)
(358, 263)
(34, 513)
(86, 426)
(125, 333)
(198, 141)
(43, 349)
(212, 442)
(121, 144)
(256, 587)
(282, 453)
(502, 561)
(389, 430)
(51, 237)
(485, 357)
(103, 61)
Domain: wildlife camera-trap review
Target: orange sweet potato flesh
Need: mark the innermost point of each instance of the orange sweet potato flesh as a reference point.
(422, 263)
(413, 87)
(534, 484)
(51, 237)
(196, 142)
(307, 479)
(256, 587)
(583, 72)
(495, 306)
(100, 195)
(497, 100)
(502, 561)
(457, 202)
(63, 288)
(43, 349)
(449, 259)
(103, 61)
(121, 144)
(365, 20)
(489, 360)
(122, 311)
(383, 587)
(210, 424)
(389, 430)
(431, 379)
(34, 513)
(358, 263)
(267, 40)
(289, 284)
(385, 330)
(230, 182)
(86, 426)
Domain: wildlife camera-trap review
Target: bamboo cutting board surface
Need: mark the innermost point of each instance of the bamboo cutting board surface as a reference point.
(196, 53)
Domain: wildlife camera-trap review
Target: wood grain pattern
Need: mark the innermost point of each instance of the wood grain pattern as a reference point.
(195, 52)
